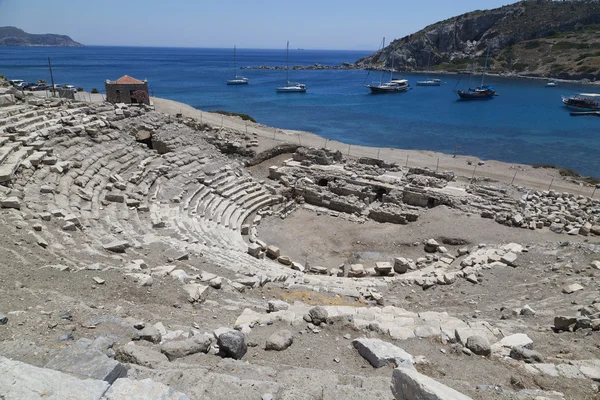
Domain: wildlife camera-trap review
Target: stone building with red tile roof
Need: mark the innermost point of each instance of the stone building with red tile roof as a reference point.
(127, 90)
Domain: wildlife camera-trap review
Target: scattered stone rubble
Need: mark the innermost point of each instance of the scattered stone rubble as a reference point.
(558, 212)
(389, 193)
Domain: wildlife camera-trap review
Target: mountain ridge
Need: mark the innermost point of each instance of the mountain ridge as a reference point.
(13, 36)
(533, 38)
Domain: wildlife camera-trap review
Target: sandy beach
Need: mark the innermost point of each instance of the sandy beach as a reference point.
(523, 175)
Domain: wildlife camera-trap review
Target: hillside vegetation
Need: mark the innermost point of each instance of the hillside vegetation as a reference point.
(535, 38)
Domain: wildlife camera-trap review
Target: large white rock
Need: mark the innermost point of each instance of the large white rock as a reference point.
(408, 384)
(380, 353)
(23, 381)
(128, 389)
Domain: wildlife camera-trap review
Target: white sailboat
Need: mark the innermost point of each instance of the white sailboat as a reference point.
(427, 81)
(394, 85)
(237, 80)
(290, 87)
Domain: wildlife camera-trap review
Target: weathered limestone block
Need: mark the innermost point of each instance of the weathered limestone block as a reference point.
(408, 384)
(380, 353)
(273, 252)
(23, 381)
(383, 268)
(118, 246)
(182, 348)
(144, 356)
(125, 389)
(115, 197)
(11, 202)
(81, 359)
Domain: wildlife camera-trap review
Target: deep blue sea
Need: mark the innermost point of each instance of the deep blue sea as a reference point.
(526, 123)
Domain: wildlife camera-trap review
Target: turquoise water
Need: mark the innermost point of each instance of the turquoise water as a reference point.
(526, 123)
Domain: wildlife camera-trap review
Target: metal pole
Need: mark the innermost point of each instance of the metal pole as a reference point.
(51, 75)
(274, 132)
(474, 169)
(378, 151)
(246, 128)
(437, 168)
(299, 141)
(222, 117)
(551, 184)
(406, 161)
(349, 149)
(326, 140)
(513, 179)
(594, 192)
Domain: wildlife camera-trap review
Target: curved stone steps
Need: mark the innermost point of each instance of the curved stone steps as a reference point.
(185, 204)
(197, 200)
(25, 122)
(14, 110)
(254, 206)
(238, 186)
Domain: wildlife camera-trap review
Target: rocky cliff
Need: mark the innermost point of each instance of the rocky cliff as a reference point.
(459, 41)
(11, 36)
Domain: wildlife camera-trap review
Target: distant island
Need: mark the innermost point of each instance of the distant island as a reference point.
(535, 38)
(11, 36)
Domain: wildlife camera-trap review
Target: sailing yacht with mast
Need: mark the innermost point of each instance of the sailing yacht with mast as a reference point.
(290, 87)
(427, 81)
(481, 92)
(237, 80)
(394, 85)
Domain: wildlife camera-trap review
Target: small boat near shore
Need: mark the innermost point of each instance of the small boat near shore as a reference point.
(552, 84)
(237, 80)
(583, 101)
(290, 87)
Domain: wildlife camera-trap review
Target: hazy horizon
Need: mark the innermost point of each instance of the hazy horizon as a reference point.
(312, 25)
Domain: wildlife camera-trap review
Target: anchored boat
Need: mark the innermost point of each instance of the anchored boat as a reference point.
(481, 92)
(237, 80)
(290, 87)
(393, 86)
(427, 81)
(583, 101)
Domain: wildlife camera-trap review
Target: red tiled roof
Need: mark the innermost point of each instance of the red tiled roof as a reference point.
(127, 80)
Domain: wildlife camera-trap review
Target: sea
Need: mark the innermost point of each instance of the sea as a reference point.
(526, 123)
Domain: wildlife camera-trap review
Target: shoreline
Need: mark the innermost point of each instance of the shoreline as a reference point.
(319, 67)
(269, 137)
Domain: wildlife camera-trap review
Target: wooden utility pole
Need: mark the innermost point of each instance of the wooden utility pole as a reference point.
(51, 76)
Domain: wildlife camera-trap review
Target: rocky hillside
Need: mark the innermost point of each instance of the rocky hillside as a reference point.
(538, 38)
(11, 36)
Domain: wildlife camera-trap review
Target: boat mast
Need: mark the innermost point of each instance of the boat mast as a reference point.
(287, 63)
(427, 72)
(382, 49)
(393, 56)
(485, 67)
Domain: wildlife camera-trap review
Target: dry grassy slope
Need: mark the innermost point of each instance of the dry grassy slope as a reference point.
(574, 55)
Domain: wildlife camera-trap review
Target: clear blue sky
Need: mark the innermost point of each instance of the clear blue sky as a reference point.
(309, 24)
